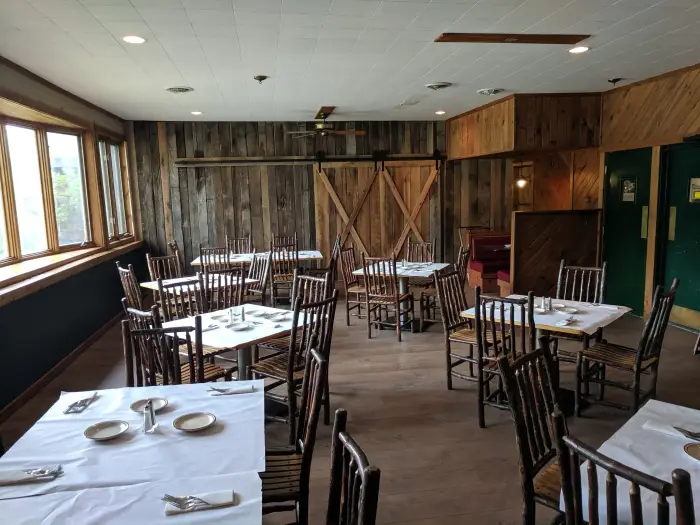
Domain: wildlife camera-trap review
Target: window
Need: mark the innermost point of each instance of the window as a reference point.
(114, 189)
(43, 192)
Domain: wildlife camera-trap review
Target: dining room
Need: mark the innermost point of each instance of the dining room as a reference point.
(224, 299)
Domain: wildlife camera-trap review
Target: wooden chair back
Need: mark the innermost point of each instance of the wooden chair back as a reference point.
(285, 260)
(132, 290)
(310, 289)
(655, 326)
(420, 251)
(215, 258)
(182, 299)
(239, 244)
(223, 289)
(381, 281)
(348, 265)
(333, 262)
(507, 323)
(452, 299)
(174, 249)
(312, 327)
(259, 270)
(581, 283)
(315, 373)
(136, 361)
(531, 383)
(572, 453)
(462, 264)
(166, 267)
(161, 363)
(284, 241)
(354, 487)
(465, 233)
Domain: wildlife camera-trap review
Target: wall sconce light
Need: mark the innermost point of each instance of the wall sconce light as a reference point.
(521, 182)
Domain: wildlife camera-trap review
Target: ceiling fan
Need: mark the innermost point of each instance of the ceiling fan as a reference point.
(323, 128)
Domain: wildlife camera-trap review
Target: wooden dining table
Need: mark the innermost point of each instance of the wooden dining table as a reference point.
(122, 480)
(247, 258)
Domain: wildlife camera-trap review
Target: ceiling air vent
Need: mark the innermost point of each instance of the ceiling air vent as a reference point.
(179, 89)
(489, 92)
(437, 86)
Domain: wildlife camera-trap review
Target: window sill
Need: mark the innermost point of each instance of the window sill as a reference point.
(24, 278)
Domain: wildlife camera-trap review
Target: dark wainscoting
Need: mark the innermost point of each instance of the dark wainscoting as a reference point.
(41, 329)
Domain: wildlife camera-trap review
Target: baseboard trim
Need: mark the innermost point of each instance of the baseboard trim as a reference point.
(49, 376)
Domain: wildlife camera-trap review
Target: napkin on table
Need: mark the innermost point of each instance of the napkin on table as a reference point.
(663, 428)
(222, 498)
(243, 389)
(17, 477)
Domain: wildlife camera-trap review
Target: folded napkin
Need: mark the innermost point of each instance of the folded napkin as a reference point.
(18, 477)
(223, 498)
(663, 428)
(243, 389)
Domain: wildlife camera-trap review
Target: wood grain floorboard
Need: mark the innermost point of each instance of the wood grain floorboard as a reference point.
(437, 466)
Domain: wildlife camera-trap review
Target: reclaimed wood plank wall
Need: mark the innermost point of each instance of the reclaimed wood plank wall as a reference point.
(653, 112)
(486, 130)
(205, 204)
(586, 179)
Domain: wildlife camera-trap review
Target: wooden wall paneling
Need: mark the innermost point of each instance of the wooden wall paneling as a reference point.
(508, 185)
(656, 111)
(200, 175)
(226, 201)
(551, 184)
(133, 180)
(585, 178)
(497, 204)
(541, 239)
(483, 193)
(212, 184)
(157, 241)
(194, 239)
(652, 221)
(175, 202)
(483, 131)
(459, 188)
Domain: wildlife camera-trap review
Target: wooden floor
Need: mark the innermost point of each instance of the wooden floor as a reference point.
(437, 466)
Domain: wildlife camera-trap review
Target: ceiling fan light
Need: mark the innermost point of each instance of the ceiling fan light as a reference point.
(133, 39)
(578, 50)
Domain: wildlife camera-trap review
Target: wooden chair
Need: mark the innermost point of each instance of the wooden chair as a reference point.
(571, 452)
(584, 284)
(158, 362)
(508, 335)
(593, 361)
(239, 244)
(279, 241)
(531, 383)
(420, 251)
(215, 258)
(463, 264)
(382, 295)
(260, 271)
(312, 326)
(182, 299)
(132, 290)
(222, 289)
(332, 267)
(285, 260)
(354, 289)
(696, 350)
(166, 267)
(354, 487)
(285, 482)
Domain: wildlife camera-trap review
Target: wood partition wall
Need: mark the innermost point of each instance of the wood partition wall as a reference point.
(541, 239)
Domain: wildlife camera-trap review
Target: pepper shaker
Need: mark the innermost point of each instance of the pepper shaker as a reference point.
(242, 312)
(149, 418)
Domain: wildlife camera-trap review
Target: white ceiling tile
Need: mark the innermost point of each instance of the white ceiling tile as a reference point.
(302, 20)
(212, 16)
(313, 7)
(160, 14)
(269, 6)
(121, 29)
(257, 19)
(388, 22)
(172, 29)
(469, 24)
(407, 9)
(115, 13)
(354, 7)
(87, 24)
(345, 22)
(333, 32)
(300, 32)
(13, 9)
(221, 5)
(116, 2)
(52, 8)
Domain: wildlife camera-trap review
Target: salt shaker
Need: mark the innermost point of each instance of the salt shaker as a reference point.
(149, 418)
(543, 305)
(230, 315)
(243, 313)
(549, 303)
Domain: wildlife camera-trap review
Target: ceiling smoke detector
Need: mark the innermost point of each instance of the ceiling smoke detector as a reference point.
(437, 86)
(489, 92)
(180, 89)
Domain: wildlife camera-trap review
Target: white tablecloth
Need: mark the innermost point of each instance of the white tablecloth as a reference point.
(139, 504)
(651, 452)
(410, 269)
(226, 338)
(587, 320)
(236, 443)
(245, 258)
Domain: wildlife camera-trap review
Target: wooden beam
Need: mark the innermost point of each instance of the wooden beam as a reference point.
(402, 205)
(649, 278)
(340, 161)
(339, 206)
(510, 38)
(416, 210)
(165, 181)
(353, 216)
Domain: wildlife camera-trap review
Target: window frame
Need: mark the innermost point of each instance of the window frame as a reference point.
(8, 195)
(116, 238)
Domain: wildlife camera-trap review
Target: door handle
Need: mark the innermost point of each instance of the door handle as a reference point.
(645, 221)
(672, 224)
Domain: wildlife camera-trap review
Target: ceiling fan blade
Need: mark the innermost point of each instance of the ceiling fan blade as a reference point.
(348, 132)
(307, 134)
(300, 132)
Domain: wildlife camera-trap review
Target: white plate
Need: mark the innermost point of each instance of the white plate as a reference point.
(220, 317)
(106, 430)
(194, 422)
(539, 310)
(558, 306)
(564, 322)
(159, 403)
(237, 327)
(258, 313)
(569, 310)
(280, 317)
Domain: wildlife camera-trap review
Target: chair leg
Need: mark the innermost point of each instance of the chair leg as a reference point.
(292, 415)
(347, 308)
(369, 321)
(398, 320)
(471, 365)
(577, 390)
(421, 312)
(635, 393)
(326, 403)
(601, 386)
(480, 394)
(448, 364)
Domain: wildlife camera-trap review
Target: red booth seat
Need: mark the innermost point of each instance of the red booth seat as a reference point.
(503, 275)
(488, 266)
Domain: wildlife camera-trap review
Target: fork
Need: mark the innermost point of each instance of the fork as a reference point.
(220, 390)
(46, 472)
(184, 502)
(695, 436)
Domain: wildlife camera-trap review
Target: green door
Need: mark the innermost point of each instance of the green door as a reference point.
(682, 251)
(625, 229)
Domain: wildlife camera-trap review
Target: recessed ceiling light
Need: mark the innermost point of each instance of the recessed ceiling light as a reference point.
(196, 112)
(133, 39)
(439, 112)
(578, 49)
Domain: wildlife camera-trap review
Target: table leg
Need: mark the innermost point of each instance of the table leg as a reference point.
(244, 361)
